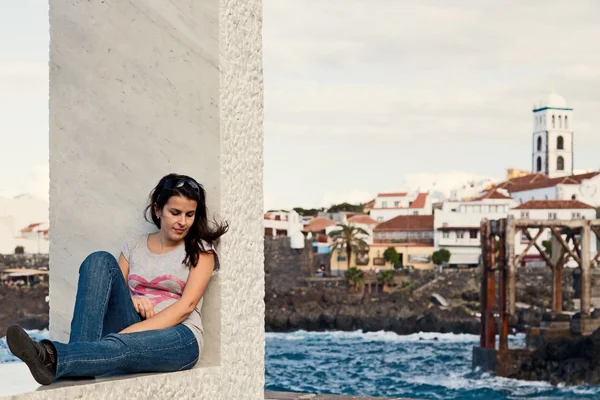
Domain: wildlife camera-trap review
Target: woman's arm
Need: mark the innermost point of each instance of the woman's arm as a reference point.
(177, 312)
(124, 265)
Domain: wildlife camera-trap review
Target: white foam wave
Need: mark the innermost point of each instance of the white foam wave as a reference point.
(379, 336)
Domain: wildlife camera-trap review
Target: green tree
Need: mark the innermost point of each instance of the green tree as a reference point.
(355, 277)
(349, 237)
(358, 208)
(19, 250)
(547, 245)
(440, 256)
(386, 276)
(307, 212)
(391, 255)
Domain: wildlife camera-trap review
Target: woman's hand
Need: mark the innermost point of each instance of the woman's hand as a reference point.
(143, 306)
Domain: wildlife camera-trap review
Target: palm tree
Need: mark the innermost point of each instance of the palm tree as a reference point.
(349, 237)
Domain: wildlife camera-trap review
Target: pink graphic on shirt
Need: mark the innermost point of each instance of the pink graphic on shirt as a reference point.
(159, 289)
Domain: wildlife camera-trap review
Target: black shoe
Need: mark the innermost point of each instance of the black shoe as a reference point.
(40, 357)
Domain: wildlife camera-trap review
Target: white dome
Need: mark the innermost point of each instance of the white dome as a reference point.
(554, 100)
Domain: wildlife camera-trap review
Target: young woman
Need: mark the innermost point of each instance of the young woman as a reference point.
(142, 312)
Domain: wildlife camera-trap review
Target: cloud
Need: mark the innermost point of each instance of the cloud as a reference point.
(382, 92)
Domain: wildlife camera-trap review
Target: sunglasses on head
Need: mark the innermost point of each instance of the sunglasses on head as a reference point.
(178, 183)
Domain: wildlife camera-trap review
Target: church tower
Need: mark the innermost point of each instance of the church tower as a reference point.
(553, 137)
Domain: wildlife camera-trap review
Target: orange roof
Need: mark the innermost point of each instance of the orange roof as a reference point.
(370, 204)
(392, 194)
(538, 181)
(553, 205)
(492, 194)
(419, 202)
(318, 224)
(407, 223)
(362, 219)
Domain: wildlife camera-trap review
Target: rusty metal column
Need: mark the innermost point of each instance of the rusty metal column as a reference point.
(557, 267)
(586, 273)
(509, 241)
(483, 293)
(503, 312)
(489, 329)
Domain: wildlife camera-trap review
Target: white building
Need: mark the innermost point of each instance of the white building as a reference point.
(285, 224)
(549, 210)
(17, 213)
(582, 187)
(552, 159)
(457, 224)
(390, 205)
(553, 137)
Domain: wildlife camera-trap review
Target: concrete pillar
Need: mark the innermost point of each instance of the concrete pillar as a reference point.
(138, 90)
(586, 270)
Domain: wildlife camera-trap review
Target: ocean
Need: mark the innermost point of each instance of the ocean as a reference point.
(384, 364)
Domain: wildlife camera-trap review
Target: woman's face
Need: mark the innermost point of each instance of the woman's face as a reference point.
(177, 216)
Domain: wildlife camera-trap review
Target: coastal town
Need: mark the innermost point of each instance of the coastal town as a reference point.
(415, 230)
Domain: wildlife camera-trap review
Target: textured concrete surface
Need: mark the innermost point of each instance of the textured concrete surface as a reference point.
(15, 379)
(138, 90)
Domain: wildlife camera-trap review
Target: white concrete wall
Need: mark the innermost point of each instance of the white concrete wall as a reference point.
(588, 191)
(548, 193)
(138, 90)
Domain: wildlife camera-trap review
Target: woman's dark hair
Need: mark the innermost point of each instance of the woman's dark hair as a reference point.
(182, 185)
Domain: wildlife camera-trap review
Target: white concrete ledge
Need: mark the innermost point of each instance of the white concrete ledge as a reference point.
(17, 383)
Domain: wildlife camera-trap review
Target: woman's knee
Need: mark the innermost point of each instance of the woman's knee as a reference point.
(99, 261)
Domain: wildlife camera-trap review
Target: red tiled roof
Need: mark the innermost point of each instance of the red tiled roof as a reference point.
(407, 223)
(318, 224)
(420, 201)
(460, 228)
(392, 194)
(392, 244)
(553, 205)
(370, 204)
(492, 194)
(538, 181)
(362, 219)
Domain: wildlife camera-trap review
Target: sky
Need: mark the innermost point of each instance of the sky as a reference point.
(365, 96)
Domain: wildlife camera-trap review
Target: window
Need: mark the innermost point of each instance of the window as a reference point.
(477, 209)
(576, 215)
(539, 143)
(445, 224)
(396, 204)
(539, 164)
(379, 219)
(574, 197)
(493, 209)
(560, 163)
(524, 214)
(551, 215)
(485, 209)
(560, 143)
(560, 122)
(553, 122)
(445, 234)
(473, 233)
(415, 213)
(460, 234)
(566, 122)
(384, 204)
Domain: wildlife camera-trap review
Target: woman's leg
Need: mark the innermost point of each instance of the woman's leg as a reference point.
(103, 303)
(164, 350)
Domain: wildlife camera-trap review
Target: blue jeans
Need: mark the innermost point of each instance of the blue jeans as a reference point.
(103, 307)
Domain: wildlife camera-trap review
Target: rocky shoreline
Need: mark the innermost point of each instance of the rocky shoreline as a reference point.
(26, 307)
